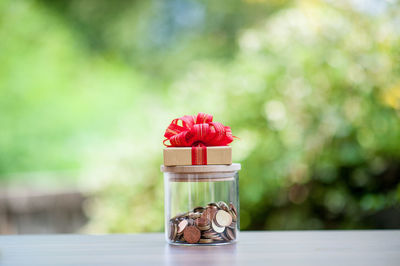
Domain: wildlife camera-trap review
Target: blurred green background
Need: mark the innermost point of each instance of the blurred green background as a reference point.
(311, 88)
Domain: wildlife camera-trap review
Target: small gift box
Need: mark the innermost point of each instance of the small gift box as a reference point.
(197, 140)
(197, 155)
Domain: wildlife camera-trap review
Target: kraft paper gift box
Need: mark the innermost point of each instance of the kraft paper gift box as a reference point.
(197, 155)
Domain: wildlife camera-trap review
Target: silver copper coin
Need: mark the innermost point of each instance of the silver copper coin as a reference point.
(190, 221)
(230, 234)
(206, 241)
(173, 231)
(210, 212)
(224, 236)
(216, 228)
(232, 207)
(223, 206)
(217, 238)
(213, 236)
(192, 234)
(179, 238)
(202, 223)
(212, 204)
(222, 218)
(233, 214)
(182, 225)
(194, 215)
(214, 223)
(204, 228)
(208, 235)
(232, 226)
(198, 209)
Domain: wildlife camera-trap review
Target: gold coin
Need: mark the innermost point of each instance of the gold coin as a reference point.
(209, 234)
(212, 235)
(205, 241)
(204, 228)
(217, 238)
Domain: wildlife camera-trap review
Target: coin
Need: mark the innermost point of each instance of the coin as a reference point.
(212, 204)
(216, 228)
(172, 231)
(209, 234)
(202, 223)
(224, 236)
(232, 226)
(182, 225)
(194, 215)
(233, 208)
(198, 209)
(230, 233)
(222, 218)
(205, 240)
(217, 238)
(190, 221)
(222, 205)
(204, 228)
(212, 235)
(191, 234)
(181, 239)
(234, 217)
(177, 216)
(210, 212)
(214, 223)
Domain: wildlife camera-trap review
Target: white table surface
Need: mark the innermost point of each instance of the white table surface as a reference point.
(254, 248)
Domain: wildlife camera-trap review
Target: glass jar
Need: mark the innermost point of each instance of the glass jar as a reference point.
(201, 204)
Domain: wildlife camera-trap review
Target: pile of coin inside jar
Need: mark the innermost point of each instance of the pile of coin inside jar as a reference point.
(215, 223)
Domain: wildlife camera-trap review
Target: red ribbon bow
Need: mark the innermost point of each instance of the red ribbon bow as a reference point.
(197, 130)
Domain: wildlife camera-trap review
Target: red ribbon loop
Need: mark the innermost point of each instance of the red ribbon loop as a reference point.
(197, 130)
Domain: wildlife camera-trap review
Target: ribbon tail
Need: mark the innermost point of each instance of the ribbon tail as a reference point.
(199, 155)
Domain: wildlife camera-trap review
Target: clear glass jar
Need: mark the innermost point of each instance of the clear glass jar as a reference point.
(201, 204)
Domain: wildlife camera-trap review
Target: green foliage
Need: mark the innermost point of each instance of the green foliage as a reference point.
(311, 88)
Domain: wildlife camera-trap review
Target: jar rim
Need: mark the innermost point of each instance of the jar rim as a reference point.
(211, 168)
